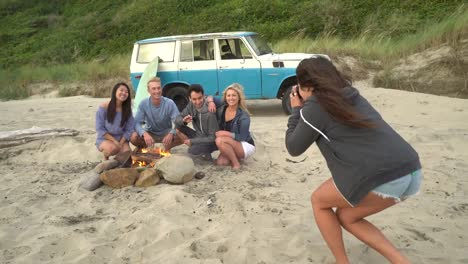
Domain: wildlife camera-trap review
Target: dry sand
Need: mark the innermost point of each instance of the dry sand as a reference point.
(261, 214)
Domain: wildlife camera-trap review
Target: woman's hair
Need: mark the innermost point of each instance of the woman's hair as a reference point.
(126, 105)
(328, 83)
(240, 93)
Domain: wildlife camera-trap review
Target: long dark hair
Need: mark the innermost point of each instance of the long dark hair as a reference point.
(328, 83)
(126, 105)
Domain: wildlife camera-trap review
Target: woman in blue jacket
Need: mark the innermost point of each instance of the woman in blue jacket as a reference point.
(372, 167)
(114, 122)
(233, 139)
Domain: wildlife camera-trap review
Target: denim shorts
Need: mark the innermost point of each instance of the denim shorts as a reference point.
(401, 188)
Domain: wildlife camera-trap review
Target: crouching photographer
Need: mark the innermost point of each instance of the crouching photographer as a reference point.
(372, 166)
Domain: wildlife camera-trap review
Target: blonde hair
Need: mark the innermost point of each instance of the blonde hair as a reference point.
(154, 79)
(240, 93)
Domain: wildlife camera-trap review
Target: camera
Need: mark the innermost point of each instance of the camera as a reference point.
(295, 91)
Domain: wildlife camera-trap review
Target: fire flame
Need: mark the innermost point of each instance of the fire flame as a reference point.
(159, 151)
(139, 163)
(164, 153)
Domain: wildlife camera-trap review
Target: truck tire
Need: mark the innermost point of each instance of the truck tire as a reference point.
(286, 101)
(179, 95)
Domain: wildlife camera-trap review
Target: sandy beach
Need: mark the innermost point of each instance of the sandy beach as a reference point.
(260, 214)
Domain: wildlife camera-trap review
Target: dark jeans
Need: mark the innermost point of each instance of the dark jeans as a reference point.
(199, 148)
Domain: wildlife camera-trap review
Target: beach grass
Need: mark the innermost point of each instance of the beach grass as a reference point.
(16, 83)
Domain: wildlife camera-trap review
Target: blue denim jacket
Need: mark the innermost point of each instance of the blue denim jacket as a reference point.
(240, 124)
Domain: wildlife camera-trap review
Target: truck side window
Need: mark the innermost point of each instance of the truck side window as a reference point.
(232, 49)
(186, 51)
(197, 50)
(202, 50)
(147, 52)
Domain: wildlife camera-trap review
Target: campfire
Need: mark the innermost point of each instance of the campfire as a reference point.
(147, 157)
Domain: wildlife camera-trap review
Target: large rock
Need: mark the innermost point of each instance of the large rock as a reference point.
(118, 178)
(148, 177)
(176, 168)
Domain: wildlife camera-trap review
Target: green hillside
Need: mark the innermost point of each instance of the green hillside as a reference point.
(36, 32)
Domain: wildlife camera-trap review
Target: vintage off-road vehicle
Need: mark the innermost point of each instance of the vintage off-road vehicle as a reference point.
(216, 60)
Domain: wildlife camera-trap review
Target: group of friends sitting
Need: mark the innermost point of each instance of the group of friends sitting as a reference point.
(217, 124)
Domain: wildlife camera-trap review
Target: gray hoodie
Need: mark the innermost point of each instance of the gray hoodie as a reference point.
(359, 159)
(204, 122)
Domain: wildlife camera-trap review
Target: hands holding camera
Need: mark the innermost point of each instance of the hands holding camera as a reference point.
(295, 97)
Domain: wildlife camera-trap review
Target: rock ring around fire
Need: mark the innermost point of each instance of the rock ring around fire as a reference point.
(176, 168)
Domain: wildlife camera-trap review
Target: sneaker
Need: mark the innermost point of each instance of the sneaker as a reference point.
(201, 157)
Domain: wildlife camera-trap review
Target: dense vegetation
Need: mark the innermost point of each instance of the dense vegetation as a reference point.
(44, 32)
(80, 40)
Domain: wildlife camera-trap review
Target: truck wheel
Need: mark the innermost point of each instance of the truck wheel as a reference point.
(286, 101)
(179, 95)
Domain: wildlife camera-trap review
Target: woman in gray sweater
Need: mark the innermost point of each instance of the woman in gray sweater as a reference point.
(372, 167)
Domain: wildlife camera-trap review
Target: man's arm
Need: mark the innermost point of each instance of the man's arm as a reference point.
(139, 119)
(213, 103)
(174, 112)
(179, 121)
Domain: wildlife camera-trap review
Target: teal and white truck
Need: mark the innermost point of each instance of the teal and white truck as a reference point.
(216, 60)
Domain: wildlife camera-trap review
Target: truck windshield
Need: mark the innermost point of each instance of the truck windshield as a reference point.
(259, 45)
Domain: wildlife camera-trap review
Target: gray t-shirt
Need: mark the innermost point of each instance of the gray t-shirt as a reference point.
(158, 120)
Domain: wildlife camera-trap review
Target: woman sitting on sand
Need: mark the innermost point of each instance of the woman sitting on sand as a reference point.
(114, 122)
(233, 139)
(372, 167)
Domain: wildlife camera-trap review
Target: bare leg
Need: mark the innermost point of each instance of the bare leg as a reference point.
(137, 141)
(323, 199)
(352, 219)
(222, 160)
(125, 147)
(181, 136)
(231, 149)
(175, 142)
(109, 148)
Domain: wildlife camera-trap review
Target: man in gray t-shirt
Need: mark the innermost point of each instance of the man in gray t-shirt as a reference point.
(154, 120)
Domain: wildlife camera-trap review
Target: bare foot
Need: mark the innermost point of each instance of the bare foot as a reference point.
(222, 162)
(236, 167)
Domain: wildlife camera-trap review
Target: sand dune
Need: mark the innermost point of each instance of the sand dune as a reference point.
(260, 214)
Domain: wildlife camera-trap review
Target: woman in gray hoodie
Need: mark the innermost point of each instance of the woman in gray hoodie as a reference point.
(372, 167)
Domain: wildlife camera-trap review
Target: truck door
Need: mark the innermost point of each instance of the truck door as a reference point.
(237, 65)
(198, 65)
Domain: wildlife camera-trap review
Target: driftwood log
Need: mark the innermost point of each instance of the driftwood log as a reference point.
(18, 137)
(91, 180)
(146, 157)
